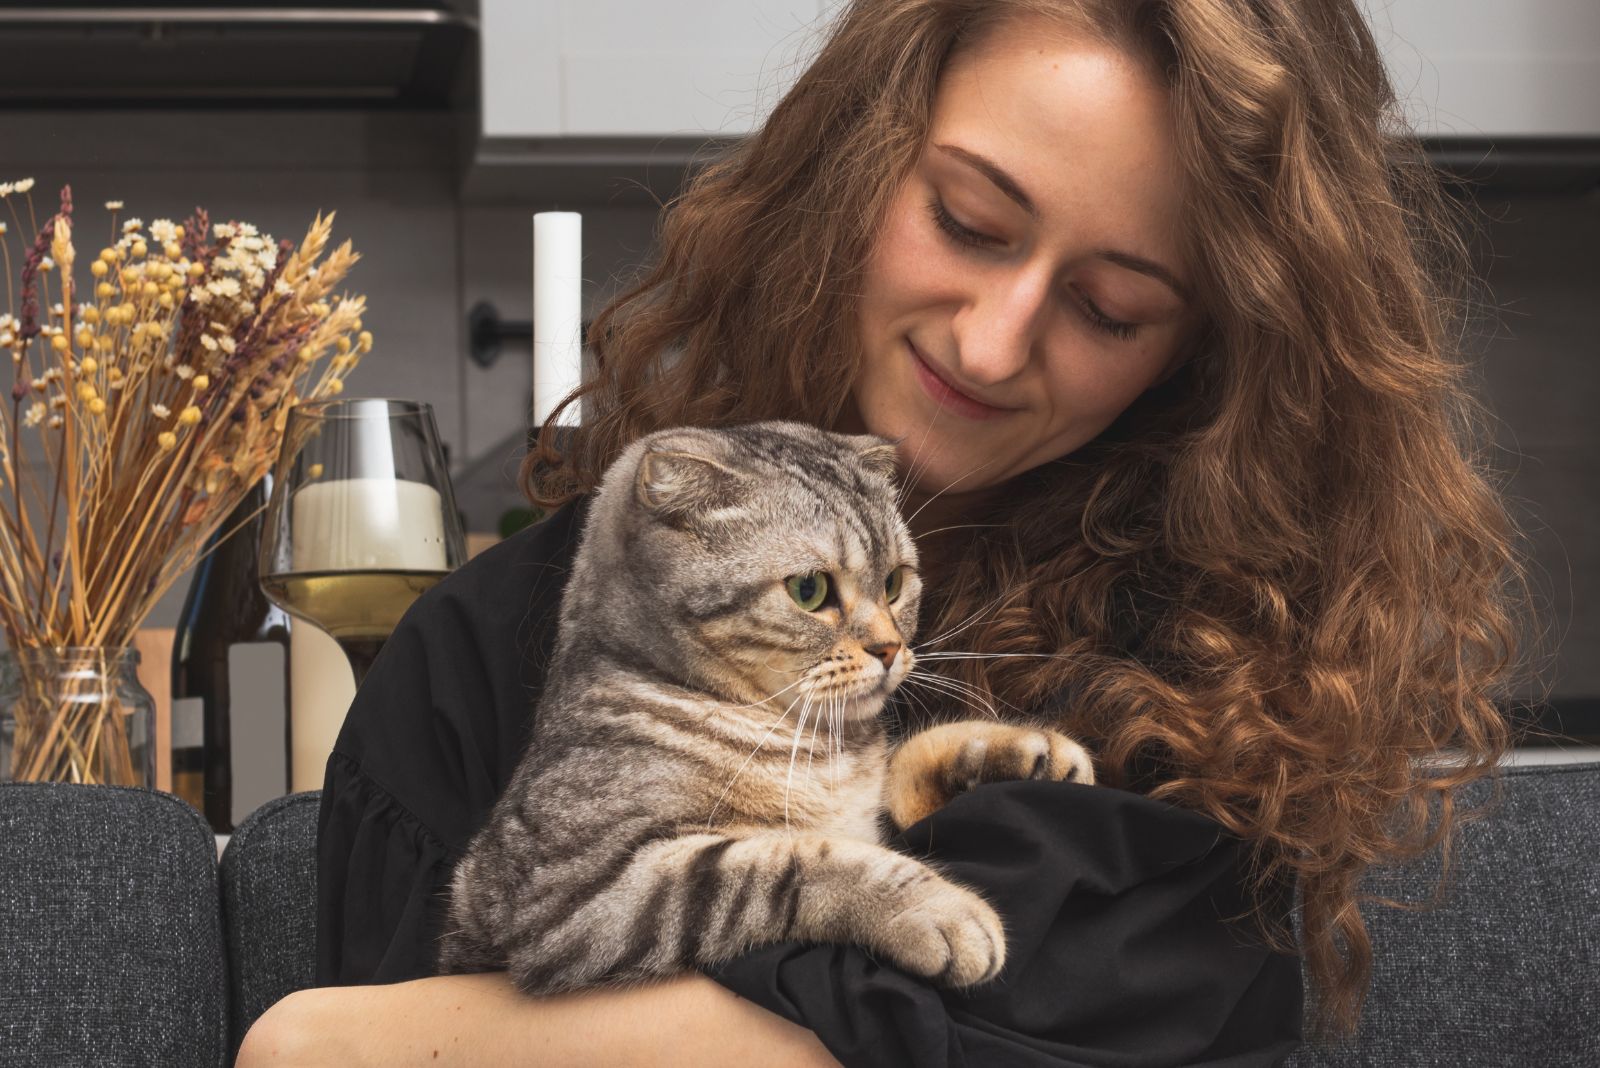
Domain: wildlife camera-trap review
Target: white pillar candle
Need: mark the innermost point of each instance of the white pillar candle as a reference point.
(367, 524)
(557, 312)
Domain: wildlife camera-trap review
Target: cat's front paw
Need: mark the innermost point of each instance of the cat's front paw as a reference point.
(951, 936)
(935, 765)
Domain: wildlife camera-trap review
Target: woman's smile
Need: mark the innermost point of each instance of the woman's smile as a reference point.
(946, 394)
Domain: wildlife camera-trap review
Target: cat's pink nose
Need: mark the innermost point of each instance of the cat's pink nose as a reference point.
(885, 651)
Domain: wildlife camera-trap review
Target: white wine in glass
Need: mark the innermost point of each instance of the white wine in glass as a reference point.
(362, 520)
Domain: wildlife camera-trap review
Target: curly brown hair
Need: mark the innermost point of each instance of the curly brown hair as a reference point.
(1325, 581)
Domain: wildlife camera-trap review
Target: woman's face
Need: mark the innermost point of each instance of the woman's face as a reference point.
(1025, 287)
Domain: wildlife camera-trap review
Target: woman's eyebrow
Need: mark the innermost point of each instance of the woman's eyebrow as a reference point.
(1008, 185)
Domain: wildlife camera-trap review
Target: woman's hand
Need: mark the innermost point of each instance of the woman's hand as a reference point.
(933, 766)
(482, 1020)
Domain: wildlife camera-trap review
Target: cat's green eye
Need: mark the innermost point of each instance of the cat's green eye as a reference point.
(808, 590)
(894, 584)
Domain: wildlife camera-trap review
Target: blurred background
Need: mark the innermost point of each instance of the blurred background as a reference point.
(436, 130)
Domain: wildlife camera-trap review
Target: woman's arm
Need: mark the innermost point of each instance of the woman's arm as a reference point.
(482, 1020)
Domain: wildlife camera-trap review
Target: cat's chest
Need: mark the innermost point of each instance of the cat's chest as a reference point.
(844, 806)
(840, 799)
(852, 809)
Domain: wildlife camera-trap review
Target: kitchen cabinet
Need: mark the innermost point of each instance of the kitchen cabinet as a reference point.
(639, 68)
(1493, 68)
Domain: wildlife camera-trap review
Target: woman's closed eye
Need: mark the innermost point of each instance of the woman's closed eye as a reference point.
(969, 238)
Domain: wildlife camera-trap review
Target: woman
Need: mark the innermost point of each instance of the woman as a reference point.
(1156, 299)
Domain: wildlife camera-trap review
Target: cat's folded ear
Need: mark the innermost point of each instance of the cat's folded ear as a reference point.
(678, 484)
(877, 454)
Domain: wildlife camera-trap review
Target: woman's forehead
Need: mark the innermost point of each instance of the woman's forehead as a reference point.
(1081, 128)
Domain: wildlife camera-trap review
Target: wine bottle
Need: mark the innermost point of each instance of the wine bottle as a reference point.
(230, 663)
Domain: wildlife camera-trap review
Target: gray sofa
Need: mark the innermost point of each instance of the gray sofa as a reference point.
(124, 941)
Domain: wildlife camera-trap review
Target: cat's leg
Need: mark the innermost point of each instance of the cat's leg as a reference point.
(933, 766)
(705, 898)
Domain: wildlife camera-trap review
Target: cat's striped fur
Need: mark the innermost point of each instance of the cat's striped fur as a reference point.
(707, 767)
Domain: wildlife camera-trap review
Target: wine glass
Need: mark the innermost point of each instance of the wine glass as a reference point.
(361, 521)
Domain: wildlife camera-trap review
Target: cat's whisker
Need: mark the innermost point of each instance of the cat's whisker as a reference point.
(811, 747)
(912, 695)
(912, 518)
(777, 693)
(949, 688)
(759, 746)
(974, 617)
(911, 469)
(990, 656)
(963, 526)
(973, 690)
(794, 751)
(838, 738)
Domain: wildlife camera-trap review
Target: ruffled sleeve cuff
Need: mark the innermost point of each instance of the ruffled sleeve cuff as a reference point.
(382, 879)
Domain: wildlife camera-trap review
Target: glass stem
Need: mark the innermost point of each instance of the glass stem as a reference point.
(361, 652)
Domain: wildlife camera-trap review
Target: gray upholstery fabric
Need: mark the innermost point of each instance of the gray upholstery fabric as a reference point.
(1507, 970)
(269, 907)
(110, 943)
(111, 947)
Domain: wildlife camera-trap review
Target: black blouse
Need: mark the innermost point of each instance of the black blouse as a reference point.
(1114, 904)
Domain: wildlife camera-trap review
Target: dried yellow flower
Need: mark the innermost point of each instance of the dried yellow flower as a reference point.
(196, 270)
(89, 314)
(335, 386)
(97, 406)
(59, 343)
(104, 290)
(173, 250)
(364, 341)
(90, 365)
(189, 416)
(167, 440)
(85, 338)
(140, 248)
(98, 268)
(201, 381)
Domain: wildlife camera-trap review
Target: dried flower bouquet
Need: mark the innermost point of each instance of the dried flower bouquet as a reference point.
(158, 389)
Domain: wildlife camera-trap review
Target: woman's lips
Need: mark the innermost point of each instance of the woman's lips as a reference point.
(947, 396)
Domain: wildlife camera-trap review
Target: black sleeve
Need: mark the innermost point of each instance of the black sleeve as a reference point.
(428, 744)
(1119, 949)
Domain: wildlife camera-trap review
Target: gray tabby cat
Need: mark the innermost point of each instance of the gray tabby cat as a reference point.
(731, 589)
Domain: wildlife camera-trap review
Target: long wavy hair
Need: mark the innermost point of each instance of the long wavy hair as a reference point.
(1323, 583)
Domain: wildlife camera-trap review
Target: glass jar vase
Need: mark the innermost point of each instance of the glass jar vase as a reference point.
(76, 714)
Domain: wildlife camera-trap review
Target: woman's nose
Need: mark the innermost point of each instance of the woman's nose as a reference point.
(998, 328)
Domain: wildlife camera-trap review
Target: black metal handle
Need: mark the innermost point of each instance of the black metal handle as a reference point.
(485, 331)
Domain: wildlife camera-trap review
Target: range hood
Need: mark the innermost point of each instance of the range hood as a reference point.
(191, 55)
